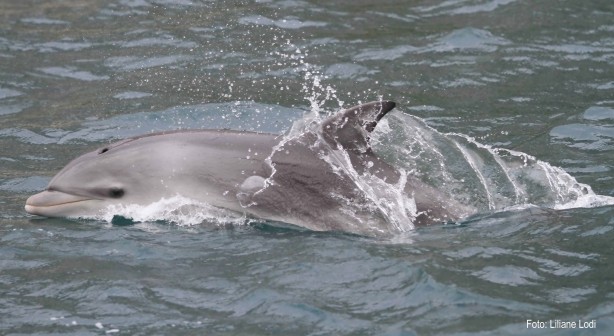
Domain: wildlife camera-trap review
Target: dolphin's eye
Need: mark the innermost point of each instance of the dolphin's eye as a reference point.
(116, 192)
(103, 150)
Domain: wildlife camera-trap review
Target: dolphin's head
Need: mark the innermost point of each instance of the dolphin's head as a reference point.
(92, 182)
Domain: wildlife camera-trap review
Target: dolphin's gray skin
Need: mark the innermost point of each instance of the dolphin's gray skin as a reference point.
(263, 175)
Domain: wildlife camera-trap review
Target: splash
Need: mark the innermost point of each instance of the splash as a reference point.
(489, 179)
(483, 178)
(378, 201)
(177, 210)
(379, 198)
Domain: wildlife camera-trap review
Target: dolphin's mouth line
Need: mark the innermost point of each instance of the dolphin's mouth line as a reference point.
(28, 203)
(52, 202)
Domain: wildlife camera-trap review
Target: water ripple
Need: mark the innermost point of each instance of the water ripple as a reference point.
(286, 23)
(73, 73)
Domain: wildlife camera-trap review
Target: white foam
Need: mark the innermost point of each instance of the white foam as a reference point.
(178, 210)
(591, 200)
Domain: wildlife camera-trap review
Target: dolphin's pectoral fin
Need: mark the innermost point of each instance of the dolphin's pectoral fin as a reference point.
(350, 128)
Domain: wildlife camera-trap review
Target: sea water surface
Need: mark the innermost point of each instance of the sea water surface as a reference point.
(535, 78)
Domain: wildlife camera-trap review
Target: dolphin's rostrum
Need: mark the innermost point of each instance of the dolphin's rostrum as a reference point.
(302, 180)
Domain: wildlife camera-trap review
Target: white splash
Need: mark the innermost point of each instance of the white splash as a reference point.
(178, 210)
(490, 179)
(379, 197)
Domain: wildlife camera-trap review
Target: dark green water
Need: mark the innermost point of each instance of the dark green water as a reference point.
(536, 77)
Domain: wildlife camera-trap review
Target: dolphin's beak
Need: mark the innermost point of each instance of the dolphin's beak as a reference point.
(52, 203)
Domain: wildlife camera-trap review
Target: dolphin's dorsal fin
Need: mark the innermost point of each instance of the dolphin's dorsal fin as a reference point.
(350, 128)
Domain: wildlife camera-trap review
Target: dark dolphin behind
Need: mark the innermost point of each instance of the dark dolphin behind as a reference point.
(309, 179)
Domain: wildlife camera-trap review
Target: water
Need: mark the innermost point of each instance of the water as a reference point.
(534, 78)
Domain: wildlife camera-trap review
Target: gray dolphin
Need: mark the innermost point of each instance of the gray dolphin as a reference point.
(306, 180)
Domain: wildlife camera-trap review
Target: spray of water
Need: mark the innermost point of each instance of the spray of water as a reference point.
(379, 199)
(178, 210)
(489, 179)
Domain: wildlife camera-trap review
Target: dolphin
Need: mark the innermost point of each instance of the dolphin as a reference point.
(308, 180)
